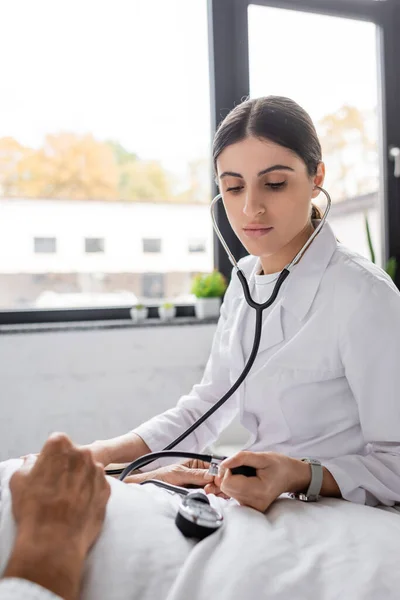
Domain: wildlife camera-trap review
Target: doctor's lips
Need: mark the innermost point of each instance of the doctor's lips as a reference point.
(256, 230)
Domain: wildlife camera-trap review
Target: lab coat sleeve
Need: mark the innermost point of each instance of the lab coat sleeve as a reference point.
(370, 348)
(13, 588)
(159, 431)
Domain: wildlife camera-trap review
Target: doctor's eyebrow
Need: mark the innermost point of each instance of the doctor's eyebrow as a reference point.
(263, 172)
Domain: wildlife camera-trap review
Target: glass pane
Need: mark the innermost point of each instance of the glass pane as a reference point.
(45, 245)
(197, 246)
(330, 69)
(104, 151)
(153, 285)
(150, 245)
(94, 245)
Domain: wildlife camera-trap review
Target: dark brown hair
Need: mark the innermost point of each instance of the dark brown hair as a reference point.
(274, 118)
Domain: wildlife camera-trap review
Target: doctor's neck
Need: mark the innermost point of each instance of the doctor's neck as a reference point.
(275, 263)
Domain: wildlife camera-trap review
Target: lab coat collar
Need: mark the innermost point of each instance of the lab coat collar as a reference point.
(302, 284)
(296, 296)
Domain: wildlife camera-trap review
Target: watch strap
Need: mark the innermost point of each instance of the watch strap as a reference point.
(317, 476)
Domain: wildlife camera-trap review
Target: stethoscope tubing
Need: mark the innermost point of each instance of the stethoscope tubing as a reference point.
(149, 458)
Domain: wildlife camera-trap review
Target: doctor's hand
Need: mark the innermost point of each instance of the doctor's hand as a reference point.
(274, 477)
(191, 472)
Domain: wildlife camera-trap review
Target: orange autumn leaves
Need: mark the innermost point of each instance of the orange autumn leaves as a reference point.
(79, 167)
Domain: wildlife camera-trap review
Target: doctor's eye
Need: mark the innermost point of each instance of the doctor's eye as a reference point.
(235, 190)
(276, 186)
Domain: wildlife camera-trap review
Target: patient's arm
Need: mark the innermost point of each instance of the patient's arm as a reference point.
(45, 561)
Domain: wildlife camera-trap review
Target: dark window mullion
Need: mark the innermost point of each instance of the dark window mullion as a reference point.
(229, 85)
(389, 62)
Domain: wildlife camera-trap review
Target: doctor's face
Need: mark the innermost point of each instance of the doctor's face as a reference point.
(266, 185)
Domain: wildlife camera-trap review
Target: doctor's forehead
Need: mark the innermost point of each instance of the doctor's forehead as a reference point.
(252, 155)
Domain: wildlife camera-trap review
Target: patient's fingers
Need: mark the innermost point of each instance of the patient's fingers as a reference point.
(176, 475)
(187, 476)
(211, 488)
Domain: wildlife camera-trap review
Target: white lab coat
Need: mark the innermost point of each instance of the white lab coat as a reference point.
(325, 381)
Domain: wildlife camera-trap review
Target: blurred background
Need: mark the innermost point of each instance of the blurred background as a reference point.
(105, 137)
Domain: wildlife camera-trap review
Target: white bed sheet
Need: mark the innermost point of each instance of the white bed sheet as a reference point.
(324, 551)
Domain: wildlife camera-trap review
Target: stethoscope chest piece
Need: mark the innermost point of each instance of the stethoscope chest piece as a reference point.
(196, 518)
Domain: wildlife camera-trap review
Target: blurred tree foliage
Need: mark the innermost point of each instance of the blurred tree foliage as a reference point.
(350, 152)
(79, 167)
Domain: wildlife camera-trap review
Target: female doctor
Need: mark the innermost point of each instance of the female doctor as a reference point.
(324, 384)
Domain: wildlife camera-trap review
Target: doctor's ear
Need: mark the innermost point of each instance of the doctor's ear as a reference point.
(318, 179)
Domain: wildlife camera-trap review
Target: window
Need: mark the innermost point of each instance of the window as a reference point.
(93, 245)
(97, 144)
(346, 111)
(45, 245)
(153, 285)
(197, 246)
(151, 245)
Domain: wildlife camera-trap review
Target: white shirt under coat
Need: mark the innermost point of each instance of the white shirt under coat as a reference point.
(325, 381)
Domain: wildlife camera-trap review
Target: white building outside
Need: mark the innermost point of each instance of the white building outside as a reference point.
(61, 271)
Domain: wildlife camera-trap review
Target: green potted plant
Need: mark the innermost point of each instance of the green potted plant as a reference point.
(138, 313)
(391, 265)
(166, 311)
(208, 289)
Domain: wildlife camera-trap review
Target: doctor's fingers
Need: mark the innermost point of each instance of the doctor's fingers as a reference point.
(240, 486)
(258, 460)
(248, 491)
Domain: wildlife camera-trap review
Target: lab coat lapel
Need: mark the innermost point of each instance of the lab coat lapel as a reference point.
(272, 330)
(303, 282)
(237, 332)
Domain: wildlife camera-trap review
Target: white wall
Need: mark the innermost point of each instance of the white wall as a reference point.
(95, 384)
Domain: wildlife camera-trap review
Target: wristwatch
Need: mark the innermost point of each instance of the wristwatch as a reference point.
(317, 475)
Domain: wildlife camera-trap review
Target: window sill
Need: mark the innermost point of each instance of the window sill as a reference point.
(102, 325)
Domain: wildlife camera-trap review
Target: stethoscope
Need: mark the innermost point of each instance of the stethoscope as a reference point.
(196, 518)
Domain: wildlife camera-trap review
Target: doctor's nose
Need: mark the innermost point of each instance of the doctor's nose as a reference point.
(253, 205)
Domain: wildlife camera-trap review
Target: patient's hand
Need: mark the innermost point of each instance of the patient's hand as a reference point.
(214, 488)
(65, 489)
(59, 505)
(192, 472)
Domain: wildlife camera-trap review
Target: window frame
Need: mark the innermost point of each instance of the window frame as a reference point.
(230, 84)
